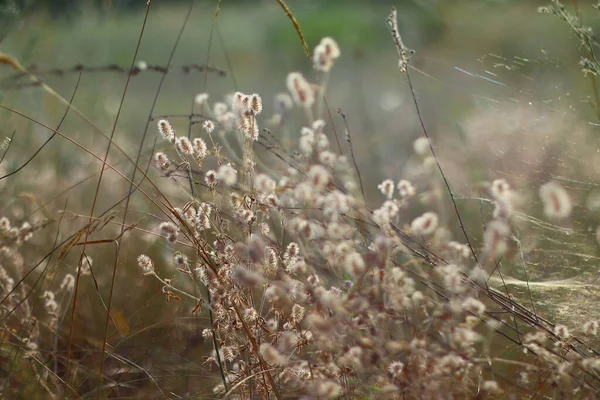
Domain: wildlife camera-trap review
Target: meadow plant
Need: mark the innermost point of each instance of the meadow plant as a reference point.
(309, 291)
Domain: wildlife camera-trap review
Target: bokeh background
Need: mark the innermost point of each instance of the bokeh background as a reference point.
(499, 86)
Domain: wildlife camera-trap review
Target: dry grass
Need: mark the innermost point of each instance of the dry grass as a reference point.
(234, 254)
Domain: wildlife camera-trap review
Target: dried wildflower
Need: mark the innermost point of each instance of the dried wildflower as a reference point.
(201, 98)
(249, 126)
(395, 368)
(319, 177)
(211, 178)
(327, 158)
(229, 353)
(322, 142)
(264, 183)
(318, 125)
(406, 189)
(326, 389)
(271, 355)
(325, 54)
(219, 110)
(68, 283)
(50, 303)
(291, 252)
(200, 149)
(227, 174)
(556, 200)
(297, 313)
(460, 250)
(26, 231)
(387, 188)
(502, 208)
(245, 277)
(255, 104)
(473, 305)
(207, 334)
(244, 216)
(166, 130)
(251, 315)
(169, 230)
(425, 225)
(162, 161)
(421, 146)
(499, 189)
(452, 276)
(208, 126)
(181, 261)
(354, 264)
(306, 144)
(391, 208)
(494, 238)
(4, 224)
(86, 265)
(240, 102)
(300, 89)
(146, 264)
(184, 145)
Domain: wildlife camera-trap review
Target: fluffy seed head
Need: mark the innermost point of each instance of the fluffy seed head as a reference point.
(219, 110)
(319, 177)
(240, 102)
(227, 174)
(327, 158)
(494, 238)
(161, 161)
(556, 200)
(291, 252)
(264, 183)
(272, 355)
(425, 225)
(211, 178)
(354, 264)
(184, 145)
(208, 126)
(325, 54)
(146, 264)
(395, 368)
(499, 189)
(169, 230)
(300, 89)
(255, 104)
(201, 98)
(421, 146)
(387, 188)
(200, 149)
(297, 313)
(68, 283)
(318, 125)
(166, 130)
(406, 189)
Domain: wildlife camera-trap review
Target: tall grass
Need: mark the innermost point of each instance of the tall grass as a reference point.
(223, 257)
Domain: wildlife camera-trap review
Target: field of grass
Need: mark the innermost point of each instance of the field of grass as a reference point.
(430, 234)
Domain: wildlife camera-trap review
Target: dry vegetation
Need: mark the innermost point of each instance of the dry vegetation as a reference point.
(218, 261)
